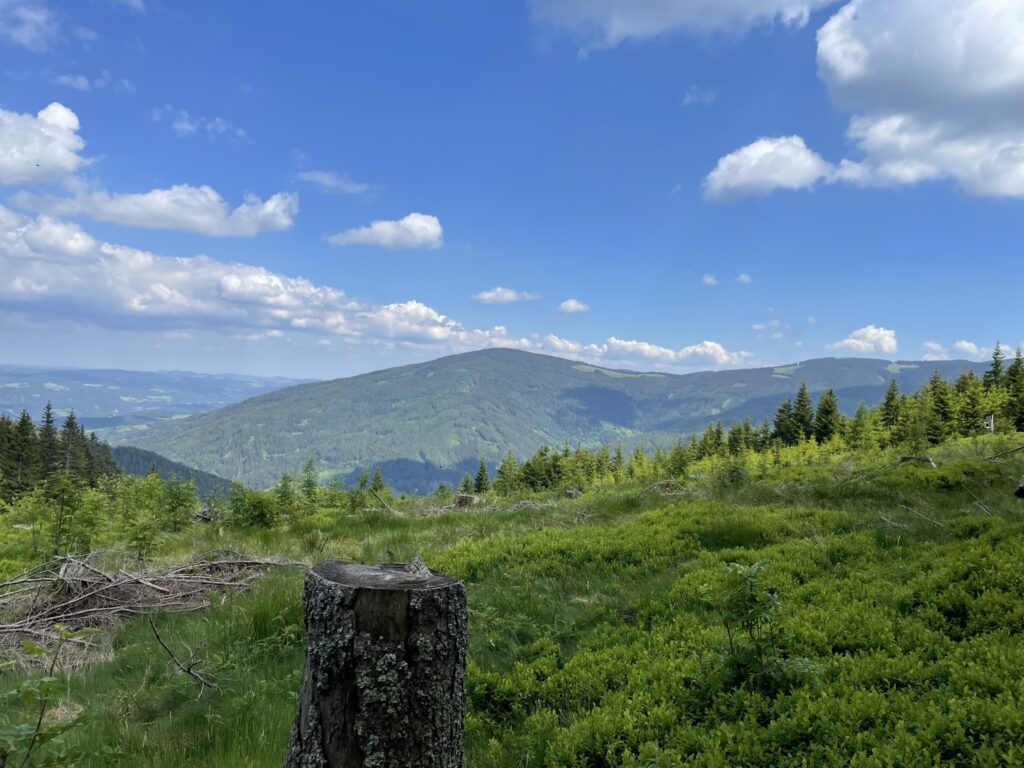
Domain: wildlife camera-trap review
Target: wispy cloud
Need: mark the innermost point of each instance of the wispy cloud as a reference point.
(697, 95)
(103, 80)
(600, 24)
(330, 181)
(31, 25)
(185, 124)
(502, 295)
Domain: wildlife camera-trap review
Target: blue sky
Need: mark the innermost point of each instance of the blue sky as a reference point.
(654, 184)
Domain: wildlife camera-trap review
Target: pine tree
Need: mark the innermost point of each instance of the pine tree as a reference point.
(73, 447)
(378, 485)
(285, 493)
(506, 481)
(482, 482)
(785, 428)
(310, 481)
(941, 421)
(466, 486)
(618, 464)
(803, 412)
(24, 456)
(828, 421)
(891, 406)
(49, 444)
(678, 460)
(1015, 392)
(860, 428)
(6, 437)
(638, 464)
(969, 394)
(993, 378)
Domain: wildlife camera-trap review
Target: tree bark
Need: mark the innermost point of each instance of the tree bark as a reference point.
(384, 681)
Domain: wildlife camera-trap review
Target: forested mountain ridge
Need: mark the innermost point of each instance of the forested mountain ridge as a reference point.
(111, 400)
(139, 463)
(432, 421)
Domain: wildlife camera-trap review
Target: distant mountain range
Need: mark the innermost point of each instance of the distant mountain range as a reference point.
(433, 421)
(114, 401)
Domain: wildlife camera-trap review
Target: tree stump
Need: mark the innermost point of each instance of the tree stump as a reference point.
(384, 681)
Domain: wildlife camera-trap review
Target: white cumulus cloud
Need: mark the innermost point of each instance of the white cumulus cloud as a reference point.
(573, 307)
(784, 162)
(870, 338)
(182, 207)
(933, 350)
(936, 88)
(417, 230)
(501, 295)
(53, 268)
(971, 349)
(41, 147)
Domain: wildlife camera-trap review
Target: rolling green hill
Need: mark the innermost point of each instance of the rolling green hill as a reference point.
(432, 421)
(139, 462)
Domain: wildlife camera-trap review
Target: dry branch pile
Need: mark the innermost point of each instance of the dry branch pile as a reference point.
(75, 592)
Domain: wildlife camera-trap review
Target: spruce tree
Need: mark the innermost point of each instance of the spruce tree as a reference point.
(940, 417)
(1015, 392)
(828, 421)
(6, 436)
(506, 481)
(24, 456)
(785, 428)
(803, 412)
(482, 481)
(993, 378)
(378, 485)
(891, 406)
(285, 493)
(73, 447)
(310, 481)
(49, 444)
(466, 486)
(859, 431)
(969, 394)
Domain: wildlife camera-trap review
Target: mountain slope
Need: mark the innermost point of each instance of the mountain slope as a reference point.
(432, 421)
(139, 462)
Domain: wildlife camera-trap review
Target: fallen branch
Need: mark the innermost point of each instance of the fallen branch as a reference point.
(381, 500)
(74, 592)
(1005, 453)
(979, 502)
(190, 668)
(922, 516)
(667, 487)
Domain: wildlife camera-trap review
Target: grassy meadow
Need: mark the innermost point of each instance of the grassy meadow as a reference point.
(600, 627)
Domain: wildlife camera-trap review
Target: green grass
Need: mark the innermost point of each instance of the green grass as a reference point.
(592, 632)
